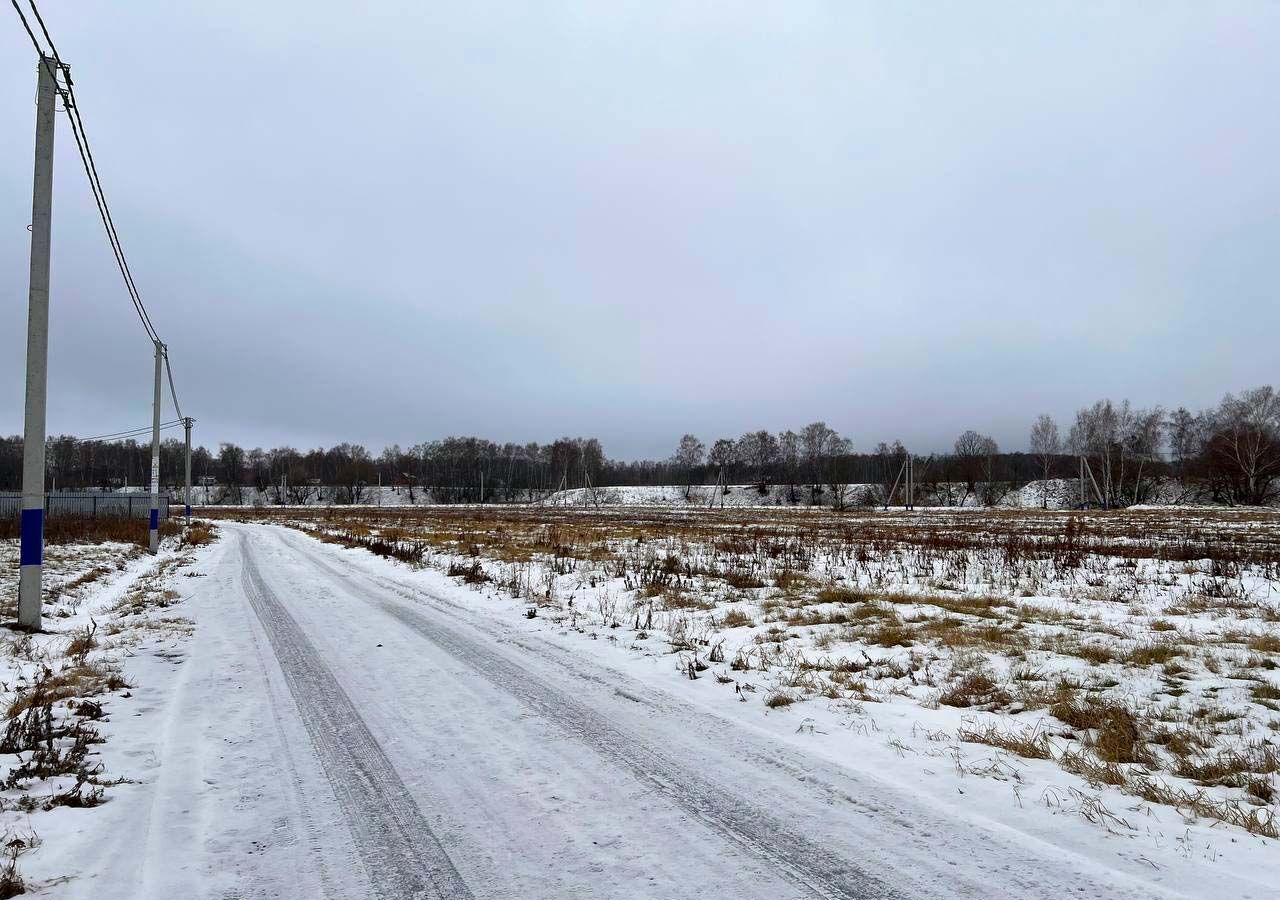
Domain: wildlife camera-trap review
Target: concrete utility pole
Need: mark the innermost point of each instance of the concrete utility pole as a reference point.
(186, 425)
(31, 555)
(153, 542)
(911, 482)
(1082, 501)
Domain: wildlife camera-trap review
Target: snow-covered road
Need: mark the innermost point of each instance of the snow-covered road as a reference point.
(339, 730)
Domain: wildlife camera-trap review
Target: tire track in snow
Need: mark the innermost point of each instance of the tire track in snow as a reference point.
(801, 860)
(401, 854)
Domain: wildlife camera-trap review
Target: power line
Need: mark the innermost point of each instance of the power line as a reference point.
(73, 114)
(86, 158)
(81, 136)
(173, 392)
(123, 435)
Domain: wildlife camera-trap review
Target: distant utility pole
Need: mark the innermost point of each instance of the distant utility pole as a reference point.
(186, 425)
(153, 543)
(31, 555)
(911, 482)
(1082, 500)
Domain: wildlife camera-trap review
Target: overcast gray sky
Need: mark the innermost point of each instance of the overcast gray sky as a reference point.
(392, 222)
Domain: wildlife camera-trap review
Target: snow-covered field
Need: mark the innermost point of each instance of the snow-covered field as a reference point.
(66, 688)
(1056, 493)
(666, 703)
(1111, 671)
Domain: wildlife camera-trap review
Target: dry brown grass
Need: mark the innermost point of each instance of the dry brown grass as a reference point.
(1111, 729)
(82, 680)
(1235, 766)
(1264, 691)
(59, 530)
(1264, 643)
(1152, 653)
(82, 642)
(779, 699)
(1254, 820)
(199, 534)
(974, 689)
(1029, 742)
(841, 594)
(80, 581)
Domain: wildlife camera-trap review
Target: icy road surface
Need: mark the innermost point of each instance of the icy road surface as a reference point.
(339, 731)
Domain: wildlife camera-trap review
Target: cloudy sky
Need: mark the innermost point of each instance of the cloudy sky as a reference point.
(391, 222)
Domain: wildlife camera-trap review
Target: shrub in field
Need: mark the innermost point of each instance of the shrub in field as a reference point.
(779, 699)
(199, 534)
(472, 573)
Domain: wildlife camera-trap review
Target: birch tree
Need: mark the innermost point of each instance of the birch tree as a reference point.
(1045, 447)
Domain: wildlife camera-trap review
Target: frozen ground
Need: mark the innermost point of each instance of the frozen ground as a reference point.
(1118, 667)
(66, 687)
(343, 725)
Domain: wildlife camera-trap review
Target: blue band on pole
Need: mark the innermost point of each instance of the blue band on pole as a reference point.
(188, 510)
(155, 519)
(32, 552)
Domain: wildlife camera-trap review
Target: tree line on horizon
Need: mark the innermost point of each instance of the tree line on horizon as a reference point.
(1230, 453)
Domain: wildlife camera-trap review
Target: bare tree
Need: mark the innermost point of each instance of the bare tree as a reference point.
(231, 458)
(723, 455)
(836, 480)
(280, 461)
(1243, 451)
(388, 467)
(1045, 446)
(260, 466)
(688, 456)
(789, 452)
(975, 454)
(888, 466)
(1141, 441)
(993, 491)
(759, 449)
(1095, 436)
(816, 444)
(1185, 434)
(1119, 442)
